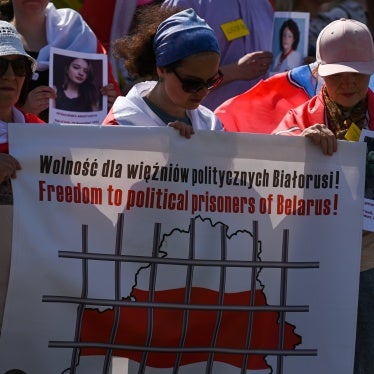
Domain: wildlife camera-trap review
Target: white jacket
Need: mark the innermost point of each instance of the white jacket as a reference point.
(132, 110)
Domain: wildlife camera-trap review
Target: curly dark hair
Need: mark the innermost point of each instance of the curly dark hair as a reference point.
(136, 48)
(291, 24)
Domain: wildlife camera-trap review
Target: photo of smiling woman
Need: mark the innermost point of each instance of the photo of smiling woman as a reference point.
(78, 91)
(289, 37)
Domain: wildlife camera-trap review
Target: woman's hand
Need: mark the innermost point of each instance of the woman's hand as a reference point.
(112, 94)
(184, 129)
(38, 99)
(323, 137)
(250, 66)
(8, 167)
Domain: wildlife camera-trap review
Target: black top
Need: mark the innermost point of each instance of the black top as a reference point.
(74, 105)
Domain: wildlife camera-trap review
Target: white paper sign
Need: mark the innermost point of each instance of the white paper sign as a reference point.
(77, 78)
(222, 253)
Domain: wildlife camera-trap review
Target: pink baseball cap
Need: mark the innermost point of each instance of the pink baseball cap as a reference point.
(345, 46)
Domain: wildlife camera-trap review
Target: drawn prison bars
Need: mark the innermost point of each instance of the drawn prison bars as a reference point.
(191, 262)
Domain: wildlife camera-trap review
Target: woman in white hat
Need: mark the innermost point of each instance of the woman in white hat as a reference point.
(16, 68)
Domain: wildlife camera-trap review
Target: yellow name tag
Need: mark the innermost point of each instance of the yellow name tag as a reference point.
(353, 133)
(235, 29)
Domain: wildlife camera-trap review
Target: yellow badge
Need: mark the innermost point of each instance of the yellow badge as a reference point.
(235, 29)
(353, 133)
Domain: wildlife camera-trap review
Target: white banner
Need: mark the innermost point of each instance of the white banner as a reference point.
(224, 253)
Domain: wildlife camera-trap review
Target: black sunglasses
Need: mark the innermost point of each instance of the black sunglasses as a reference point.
(18, 66)
(194, 85)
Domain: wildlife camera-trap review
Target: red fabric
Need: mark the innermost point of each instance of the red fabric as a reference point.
(261, 108)
(312, 112)
(111, 79)
(110, 119)
(4, 148)
(32, 118)
(29, 118)
(99, 15)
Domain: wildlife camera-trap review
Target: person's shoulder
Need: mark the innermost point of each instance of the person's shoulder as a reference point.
(135, 95)
(204, 119)
(129, 110)
(205, 112)
(123, 112)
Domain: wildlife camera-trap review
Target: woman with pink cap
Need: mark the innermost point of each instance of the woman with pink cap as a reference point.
(344, 106)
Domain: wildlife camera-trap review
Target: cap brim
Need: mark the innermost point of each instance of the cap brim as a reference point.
(366, 67)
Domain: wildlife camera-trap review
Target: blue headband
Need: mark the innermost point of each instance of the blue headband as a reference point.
(182, 35)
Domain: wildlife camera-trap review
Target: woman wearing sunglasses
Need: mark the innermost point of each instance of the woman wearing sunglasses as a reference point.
(16, 68)
(185, 56)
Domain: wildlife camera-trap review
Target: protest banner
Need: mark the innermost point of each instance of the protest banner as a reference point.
(223, 253)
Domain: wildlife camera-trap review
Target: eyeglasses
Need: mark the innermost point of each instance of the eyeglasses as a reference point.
(195, 85)
(18, 66)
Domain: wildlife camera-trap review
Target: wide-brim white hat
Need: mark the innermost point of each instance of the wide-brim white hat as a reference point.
(11, 43)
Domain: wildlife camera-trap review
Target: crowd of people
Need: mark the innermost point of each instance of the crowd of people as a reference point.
(187, 66)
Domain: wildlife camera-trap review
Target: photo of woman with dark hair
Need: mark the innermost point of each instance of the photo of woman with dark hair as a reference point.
(78, 91)
(289, 37)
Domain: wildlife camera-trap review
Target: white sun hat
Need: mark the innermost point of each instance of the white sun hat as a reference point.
(11, 43)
